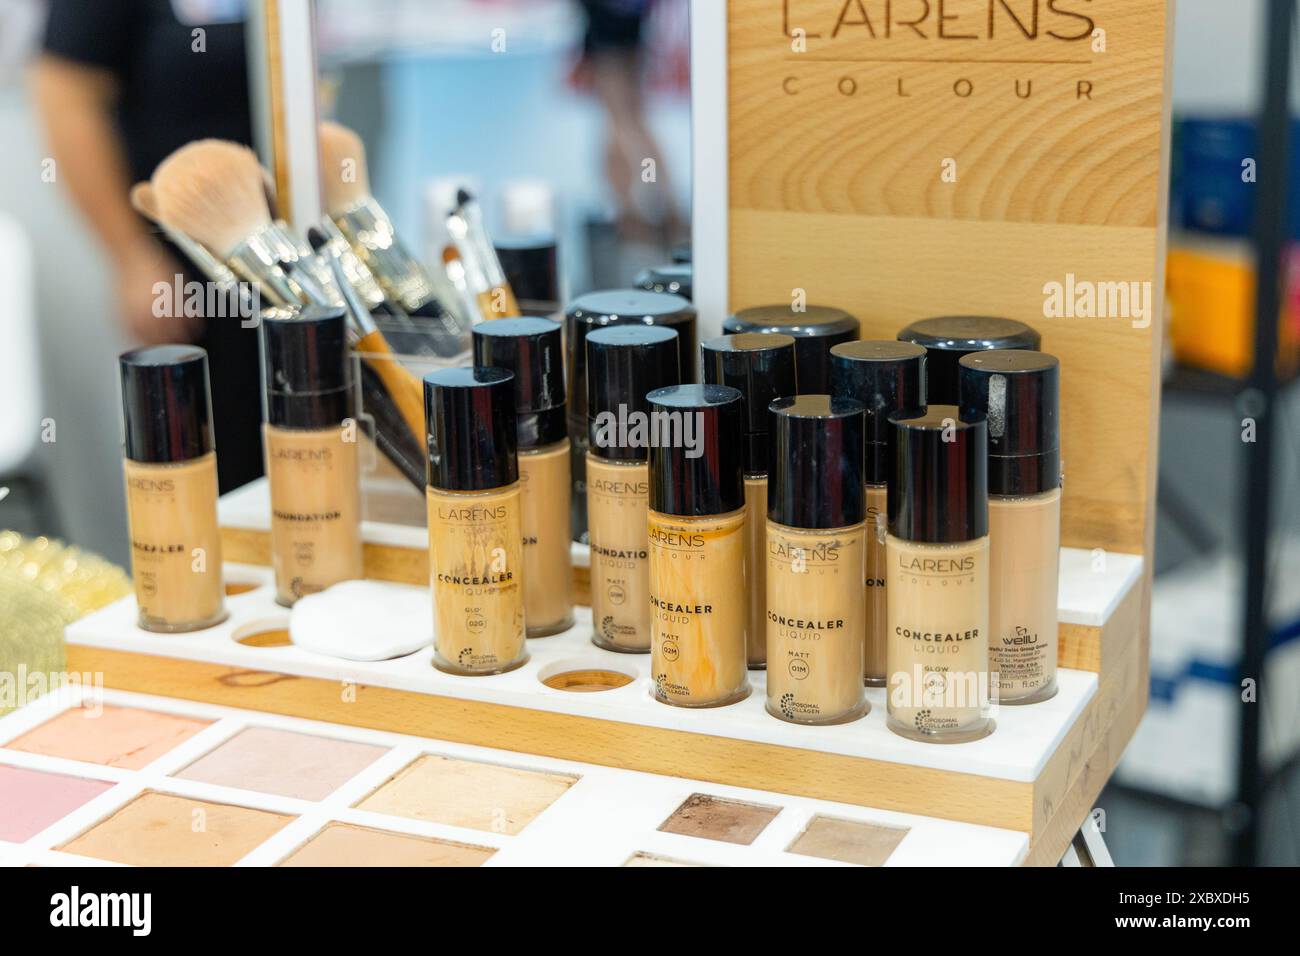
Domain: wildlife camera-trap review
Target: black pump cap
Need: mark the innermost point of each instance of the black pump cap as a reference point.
(702, 476)
(166, 404)
(531, 265)
(816, 331)
(470, 414)
(950, 337)
(625, 307)
(1019, 394)
(306, 367)
(762, 368)
(624, 364)
(674, 278)
(533, 349)
(887, 377)
(815, 469)
(938, 489)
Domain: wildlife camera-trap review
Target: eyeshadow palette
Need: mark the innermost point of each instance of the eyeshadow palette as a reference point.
(115, 778)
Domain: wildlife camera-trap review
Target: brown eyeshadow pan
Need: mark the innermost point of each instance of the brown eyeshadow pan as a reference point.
(715, 818)
(345, 844)
(848, 841)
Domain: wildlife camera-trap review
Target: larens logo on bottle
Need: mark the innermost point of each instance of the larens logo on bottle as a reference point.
(919, 565)
(303, 455)
(676, 539)
(621, 488)
(474, 514)
(630, 428)
(164, 487)
(801, 556)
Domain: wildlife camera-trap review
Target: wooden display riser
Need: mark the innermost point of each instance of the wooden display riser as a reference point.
(1039, 773)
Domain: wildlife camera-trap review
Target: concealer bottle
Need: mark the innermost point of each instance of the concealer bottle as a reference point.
(816, 542)
(533, 350)
(475, 526)
(816, 330)
(171, 488)
(597, 310)
(311, 451)
(937, 555)
(762, 368)
(887, 378)
(948, 338)
(1019, 394)
(697, 546)
(624, 364)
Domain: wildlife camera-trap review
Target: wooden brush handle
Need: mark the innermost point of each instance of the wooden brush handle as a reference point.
(406, 389)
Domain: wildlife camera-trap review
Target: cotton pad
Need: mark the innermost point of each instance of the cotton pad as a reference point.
(363, 621)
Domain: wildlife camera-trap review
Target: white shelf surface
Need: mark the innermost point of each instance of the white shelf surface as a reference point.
(1025, 738)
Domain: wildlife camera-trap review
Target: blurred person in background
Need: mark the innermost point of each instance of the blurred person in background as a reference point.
(612, 67)
(119, 85)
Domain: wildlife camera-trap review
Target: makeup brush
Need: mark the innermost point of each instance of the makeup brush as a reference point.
(370, 232)
(145, 203)
(483, 272)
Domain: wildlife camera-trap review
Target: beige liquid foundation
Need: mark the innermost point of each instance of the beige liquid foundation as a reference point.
(761, 366)
(624, 364)
(697, 547)
(171, 488)
(475, 526)
(887, 378)
(816, 538)
(533, 350)
(937, 556)
(311, 452)
(1019, 393)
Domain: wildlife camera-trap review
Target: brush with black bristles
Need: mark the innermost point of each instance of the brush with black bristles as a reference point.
(357, 215)
(483, 272)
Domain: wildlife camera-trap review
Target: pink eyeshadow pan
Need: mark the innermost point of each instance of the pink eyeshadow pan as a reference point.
(125, 737)
(31, 800)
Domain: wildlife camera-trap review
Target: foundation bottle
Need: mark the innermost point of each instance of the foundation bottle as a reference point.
(590, 313)
(697, 546)
(532, 350)
(475, 526)
(311, 451)
(816, 543)
(171, 488)
(624, 364)
(762, 368)
(948, 338)
(887, 378)
(815, 330)
(1019, 394)
(937, 556)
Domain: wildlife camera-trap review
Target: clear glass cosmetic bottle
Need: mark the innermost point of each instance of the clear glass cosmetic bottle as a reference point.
(697, 547)
(937, 555)
(310, 440)
(887, 378)
(948, 338)
(590, 313)
(815, 330)
(1020, 392)
(624, 364)
(533, 350)
(475, 527)
(816, 541)
(171, 488)
(761, 366)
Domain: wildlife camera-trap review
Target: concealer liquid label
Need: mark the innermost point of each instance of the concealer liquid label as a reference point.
(756, 570)
(877, 604)
(315, 509)
(617, 516)
(1024, 558)
(698, 612)
(544, 478)
(475, 568)
(175, 543)
(938, 619)
(816, 615)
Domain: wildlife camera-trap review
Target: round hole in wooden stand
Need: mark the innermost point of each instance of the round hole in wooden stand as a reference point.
(264, 633)
(236, 588)
(588, 681)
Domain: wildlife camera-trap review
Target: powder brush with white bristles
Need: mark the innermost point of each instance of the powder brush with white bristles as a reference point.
(213, 191)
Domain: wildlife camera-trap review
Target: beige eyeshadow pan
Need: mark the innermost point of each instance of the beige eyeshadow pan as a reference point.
(465, 793)
(848, 841)
(283, 762)
(345, 844)
(715, 818)
(125, 737)
(160, 829)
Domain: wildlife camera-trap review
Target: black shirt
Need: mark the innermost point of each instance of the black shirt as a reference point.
(175, 86)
